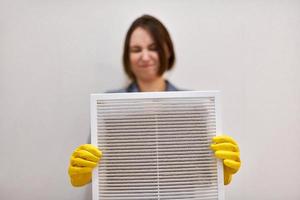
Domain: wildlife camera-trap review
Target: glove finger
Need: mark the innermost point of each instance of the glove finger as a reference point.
(91, 148)
(79, 162)
(78, 180)
(227, 155)
(227, 178)
(233, 165)
(225, 147)
(223, 139)
(85, 155)
(79, 170)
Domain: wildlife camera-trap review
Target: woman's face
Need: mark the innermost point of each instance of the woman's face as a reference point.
(143, 55)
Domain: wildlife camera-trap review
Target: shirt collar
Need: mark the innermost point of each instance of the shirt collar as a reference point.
(133, 87)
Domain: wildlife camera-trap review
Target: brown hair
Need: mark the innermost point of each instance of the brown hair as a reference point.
(161, 38)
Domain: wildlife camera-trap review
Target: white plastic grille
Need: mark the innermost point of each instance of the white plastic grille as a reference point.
(155, 147)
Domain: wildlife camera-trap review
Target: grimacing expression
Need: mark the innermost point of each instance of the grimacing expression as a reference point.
(143, 55)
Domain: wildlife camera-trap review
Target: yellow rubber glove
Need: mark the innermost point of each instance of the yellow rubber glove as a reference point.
(227, 149)
(82, 162)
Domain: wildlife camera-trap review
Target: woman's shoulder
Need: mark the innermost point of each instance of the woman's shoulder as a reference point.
(130, 88)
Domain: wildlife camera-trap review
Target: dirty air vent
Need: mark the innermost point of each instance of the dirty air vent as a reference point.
(156, 146)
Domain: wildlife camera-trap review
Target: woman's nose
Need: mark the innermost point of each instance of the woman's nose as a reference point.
(145, 55)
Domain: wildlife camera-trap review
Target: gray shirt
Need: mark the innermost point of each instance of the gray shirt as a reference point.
(133, 87)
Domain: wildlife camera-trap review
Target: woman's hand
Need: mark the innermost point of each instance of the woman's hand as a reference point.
(227, 149)
(83, 160)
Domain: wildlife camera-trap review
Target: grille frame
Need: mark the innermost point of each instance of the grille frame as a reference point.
(95, 98)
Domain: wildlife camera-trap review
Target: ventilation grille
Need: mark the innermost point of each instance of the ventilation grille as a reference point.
(155, 147)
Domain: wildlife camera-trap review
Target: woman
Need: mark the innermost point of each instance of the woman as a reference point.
(148, 54)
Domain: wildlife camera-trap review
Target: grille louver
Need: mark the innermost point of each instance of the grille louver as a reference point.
(156, 146)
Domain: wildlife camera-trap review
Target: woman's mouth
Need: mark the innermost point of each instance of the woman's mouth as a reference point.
(146, 66)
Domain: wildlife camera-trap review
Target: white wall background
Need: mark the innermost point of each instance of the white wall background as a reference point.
(53, 54)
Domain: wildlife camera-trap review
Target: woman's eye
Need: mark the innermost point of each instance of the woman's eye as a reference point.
(153, 48)
(135, 49)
